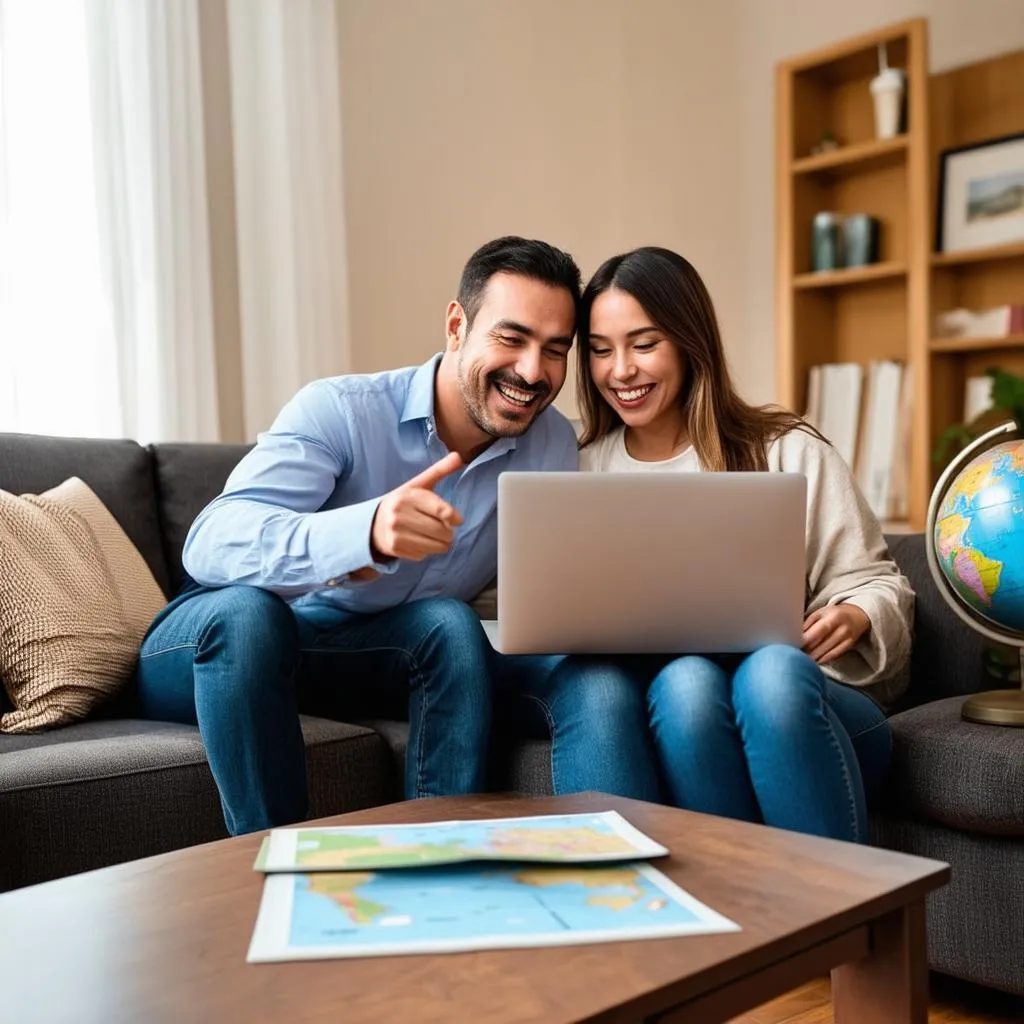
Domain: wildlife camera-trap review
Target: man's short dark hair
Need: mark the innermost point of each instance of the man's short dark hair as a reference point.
(514, 255)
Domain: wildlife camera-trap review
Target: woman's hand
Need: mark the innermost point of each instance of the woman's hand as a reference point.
(830, 632)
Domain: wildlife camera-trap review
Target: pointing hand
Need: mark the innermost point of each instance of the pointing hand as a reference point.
(411, 521)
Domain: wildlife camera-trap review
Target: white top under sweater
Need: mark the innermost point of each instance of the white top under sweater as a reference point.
(847, 557)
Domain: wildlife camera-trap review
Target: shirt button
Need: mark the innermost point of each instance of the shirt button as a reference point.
(332, 582)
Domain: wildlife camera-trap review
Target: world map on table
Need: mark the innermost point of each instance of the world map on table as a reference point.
(449, 886)
(464, 902)
(565, 840)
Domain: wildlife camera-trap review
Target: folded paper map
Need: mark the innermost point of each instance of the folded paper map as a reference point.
(470, 907)
(556, 839)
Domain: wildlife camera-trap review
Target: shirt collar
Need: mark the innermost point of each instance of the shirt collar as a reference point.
(419, 405)
(419, 402)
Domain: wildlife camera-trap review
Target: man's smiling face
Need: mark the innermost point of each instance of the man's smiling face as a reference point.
(513, 357)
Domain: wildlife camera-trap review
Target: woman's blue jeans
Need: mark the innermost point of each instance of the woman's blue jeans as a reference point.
(595, 714)
(772, 740)
(240, 664)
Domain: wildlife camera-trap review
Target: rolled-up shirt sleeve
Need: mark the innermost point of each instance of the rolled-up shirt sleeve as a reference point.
(267, 529)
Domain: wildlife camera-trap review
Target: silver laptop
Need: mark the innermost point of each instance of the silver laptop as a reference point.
(624, 563)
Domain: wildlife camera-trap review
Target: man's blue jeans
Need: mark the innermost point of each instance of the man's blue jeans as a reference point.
(773, 740)
(241, 665)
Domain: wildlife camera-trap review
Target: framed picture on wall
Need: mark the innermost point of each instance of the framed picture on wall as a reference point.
(981, 195)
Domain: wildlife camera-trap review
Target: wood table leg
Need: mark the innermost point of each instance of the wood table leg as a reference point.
(890, 984)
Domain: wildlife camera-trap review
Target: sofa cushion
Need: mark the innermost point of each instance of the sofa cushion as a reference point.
(961, 774)
(188, 478)
(76, 598)
(119, 472)
(101, 792)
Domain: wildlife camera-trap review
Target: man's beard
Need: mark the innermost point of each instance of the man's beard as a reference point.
(476, 403)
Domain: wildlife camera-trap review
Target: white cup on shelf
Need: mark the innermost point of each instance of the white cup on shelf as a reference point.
(887, 89)
(887, 92)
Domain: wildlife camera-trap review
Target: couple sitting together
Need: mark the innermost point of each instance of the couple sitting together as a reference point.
(332, 575)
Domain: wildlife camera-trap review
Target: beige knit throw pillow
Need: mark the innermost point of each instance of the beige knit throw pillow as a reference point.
(76, 598)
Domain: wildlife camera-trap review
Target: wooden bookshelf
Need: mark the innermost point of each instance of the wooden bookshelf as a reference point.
(1010, 341)
(849, 275)
(995, 253)
(970, 104)
(851, 159)
(887, 310)
(856, 314)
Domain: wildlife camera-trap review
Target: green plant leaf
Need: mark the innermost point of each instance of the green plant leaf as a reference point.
(1008, 394)
(1007, 397)
(952, 440)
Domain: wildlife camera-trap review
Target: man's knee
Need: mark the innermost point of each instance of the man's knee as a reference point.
(446, 620)
(250, 623)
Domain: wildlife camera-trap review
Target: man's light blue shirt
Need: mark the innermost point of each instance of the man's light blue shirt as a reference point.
(296, 513)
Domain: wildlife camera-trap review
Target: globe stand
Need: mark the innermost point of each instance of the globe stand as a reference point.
(998, 707)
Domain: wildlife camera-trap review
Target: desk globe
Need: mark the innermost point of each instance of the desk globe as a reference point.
(975, 544)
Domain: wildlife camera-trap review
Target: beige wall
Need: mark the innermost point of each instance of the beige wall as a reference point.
(960, 32)
(596, 124)
(589, 123)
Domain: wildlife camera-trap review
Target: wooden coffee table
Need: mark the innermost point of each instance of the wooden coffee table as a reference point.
(165, 938)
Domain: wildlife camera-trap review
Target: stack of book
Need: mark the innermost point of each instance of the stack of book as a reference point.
(865, 411)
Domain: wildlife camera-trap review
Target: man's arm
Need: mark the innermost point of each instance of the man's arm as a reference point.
(265, 529)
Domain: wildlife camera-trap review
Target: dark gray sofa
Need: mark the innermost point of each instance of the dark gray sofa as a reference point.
(115, 787)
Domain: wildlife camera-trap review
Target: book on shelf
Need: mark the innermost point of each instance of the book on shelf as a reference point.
(838, 400)
(977, 397)
(865, 412)
(996, 322)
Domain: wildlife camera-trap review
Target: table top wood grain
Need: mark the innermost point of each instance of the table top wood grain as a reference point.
(165, 938)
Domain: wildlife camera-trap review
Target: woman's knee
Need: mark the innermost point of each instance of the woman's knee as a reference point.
(777, 682)
(688, 693)
(601, 691)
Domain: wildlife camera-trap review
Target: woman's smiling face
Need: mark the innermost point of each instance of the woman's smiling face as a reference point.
(636, 367)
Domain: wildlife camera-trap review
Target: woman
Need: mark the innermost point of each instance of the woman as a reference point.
(784, 736)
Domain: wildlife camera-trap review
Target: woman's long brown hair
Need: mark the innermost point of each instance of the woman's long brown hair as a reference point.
(726, 432)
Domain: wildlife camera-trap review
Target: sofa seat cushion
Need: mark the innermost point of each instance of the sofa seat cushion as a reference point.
(517, 765)
(104, 791)
(961, 774)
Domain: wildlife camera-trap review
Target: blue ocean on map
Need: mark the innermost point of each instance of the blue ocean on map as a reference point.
(427, 905)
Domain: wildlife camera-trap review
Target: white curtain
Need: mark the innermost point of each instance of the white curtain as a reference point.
(106, 305)
(152, 197)
(105, 297)
(58, 354)
(292, 267)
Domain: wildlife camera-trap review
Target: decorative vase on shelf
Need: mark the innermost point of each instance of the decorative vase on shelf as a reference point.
(827, 241)
(860, 239)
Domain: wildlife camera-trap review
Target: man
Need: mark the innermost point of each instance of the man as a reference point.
(332, 572)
